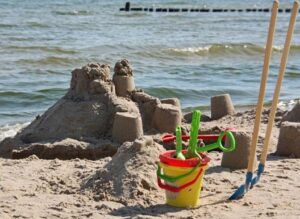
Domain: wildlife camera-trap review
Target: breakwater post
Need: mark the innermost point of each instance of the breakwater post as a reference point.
(128, 8)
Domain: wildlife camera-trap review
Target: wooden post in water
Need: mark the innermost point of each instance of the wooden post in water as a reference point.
(127, 6)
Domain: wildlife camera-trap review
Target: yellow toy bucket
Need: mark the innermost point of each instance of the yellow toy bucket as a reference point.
(183, 179)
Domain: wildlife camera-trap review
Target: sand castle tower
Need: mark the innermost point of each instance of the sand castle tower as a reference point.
(127, 127)
(289, 137)
(221, 105)
(123, 78)
(167, 117)
(238, 159)
(293, 115)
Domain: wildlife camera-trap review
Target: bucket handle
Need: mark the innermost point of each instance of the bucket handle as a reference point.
(178, 189)
(173, 179)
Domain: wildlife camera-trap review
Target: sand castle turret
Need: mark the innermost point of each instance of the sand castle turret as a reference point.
(167, 117)
(172, 101)
(293, 115)
(289, 138)
(221, 105)
(123, 78)
(127, 127)
(238, 159)
(90, 80)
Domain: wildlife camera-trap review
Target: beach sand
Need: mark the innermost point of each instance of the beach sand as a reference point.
(36, 188)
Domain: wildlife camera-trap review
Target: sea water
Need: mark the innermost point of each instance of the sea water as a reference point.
(192, 56)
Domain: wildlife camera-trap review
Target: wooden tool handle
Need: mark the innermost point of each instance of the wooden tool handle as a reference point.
(283, 62)
(262, 90)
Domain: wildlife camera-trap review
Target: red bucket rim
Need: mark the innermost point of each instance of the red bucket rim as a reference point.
(167, 158)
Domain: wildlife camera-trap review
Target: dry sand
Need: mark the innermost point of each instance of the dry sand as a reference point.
(35, 188)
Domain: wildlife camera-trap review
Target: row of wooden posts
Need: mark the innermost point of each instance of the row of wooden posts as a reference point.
(127, 8)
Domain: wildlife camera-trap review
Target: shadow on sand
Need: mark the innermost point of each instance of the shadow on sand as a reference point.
(157, 210)
(154, 210)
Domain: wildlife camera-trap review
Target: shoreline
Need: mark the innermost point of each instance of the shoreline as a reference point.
(9, 130)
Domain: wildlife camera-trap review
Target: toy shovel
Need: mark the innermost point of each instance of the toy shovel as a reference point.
(179, 154)
(192, 149)
(219, 145)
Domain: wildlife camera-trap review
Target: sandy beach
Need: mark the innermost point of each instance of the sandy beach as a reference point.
(37, 188)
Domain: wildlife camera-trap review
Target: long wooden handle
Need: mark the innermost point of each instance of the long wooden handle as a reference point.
(284, 59)
(262, 90)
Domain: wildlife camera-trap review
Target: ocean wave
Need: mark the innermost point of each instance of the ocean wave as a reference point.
(225, 49)
(11, 94)
(73, 13)
(283, 105)
(11, 130)
(13, 97)
(140, 14)
(54, 91)
(21, 38)
(57, 50)
(37, 24)
(8, 25)
(52, 60)
(290, 74)
(166, 92)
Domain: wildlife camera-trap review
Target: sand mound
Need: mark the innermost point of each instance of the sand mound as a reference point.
(130, 177)
(68, 149)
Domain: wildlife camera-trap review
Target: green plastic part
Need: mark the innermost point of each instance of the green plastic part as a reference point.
(192, 149)
(219, 144)
(179, 154)
(175, 178)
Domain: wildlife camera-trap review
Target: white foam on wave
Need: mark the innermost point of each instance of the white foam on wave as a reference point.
(278, 48)
(214, 48)
(11, 130)
(193, 49)
(209, 48)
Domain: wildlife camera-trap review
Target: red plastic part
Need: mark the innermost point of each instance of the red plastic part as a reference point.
(169, 137)
(168, 158)
(178, 189)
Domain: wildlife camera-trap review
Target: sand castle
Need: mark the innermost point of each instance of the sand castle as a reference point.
(96, 114)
